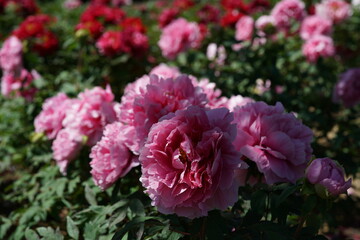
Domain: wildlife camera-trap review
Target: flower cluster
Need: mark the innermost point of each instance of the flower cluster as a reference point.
(127, 34)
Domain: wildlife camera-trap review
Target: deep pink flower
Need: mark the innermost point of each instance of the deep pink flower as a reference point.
(49, 121)
(167, 16)
(327, 173)
(276, 141)
(335, 10)
(90, 113)
(110, 43)
(66, 147)
(244, 28)
(315, 25)
(111, 156)
(347, 90)
(318, 46)
(287, 11)
(188, 162)
(165, 71)
(213, 94)
(19, 84)
(11, 54)
(179, 36)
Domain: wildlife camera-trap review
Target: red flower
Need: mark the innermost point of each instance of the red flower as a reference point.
(258, 5)
(183, 4)
(235, 4)
(135, 42)
(102, 13)
(32, 26)
(134, 23)
(167, 16)
(208, 14)
(110, 43)
(94, 27)
(46, 43)
(230, 18)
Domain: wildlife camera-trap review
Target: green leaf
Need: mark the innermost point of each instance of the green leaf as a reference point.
(31, 234)
(90, 195)
(131, 225)
(137, 207)
(71, 228)
(285, 194)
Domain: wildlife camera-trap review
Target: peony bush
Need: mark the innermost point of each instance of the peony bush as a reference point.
(179, 119)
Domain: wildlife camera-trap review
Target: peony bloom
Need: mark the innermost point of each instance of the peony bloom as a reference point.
(167, 16)
(287, 11)
(90, 113)
(335, 10)
(93, 27)
(111, 157)
(264, 25)
(50, 118)
(315, 25)
(11, 54)
(213, 94)
(165, 71)
(66, 147)
(19, 84)
(216, 53)
(244, 28)
(276, 141)
(238, 101)
(188, 162)
(318, 46)
(347, 90)
(46, 43)
(72, 4)
(328, 174)
(179, 36)
(110, 43)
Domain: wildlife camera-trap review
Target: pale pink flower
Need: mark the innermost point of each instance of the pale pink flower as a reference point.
(213, 94)
(179, 36)
(287, 11)
(262, 86)
(318, 46)
(244, 28)
(111, 156)
(238, 101)
(327, 173)
(264, 23)
(188, 162)
(49, 120)
(18, 84)
(276, 141)
(66, 147)
(335, 10)
(72, 4)
(165, 71)
(91, 112)
(347, 90)
(315, 25)
(119, 3)
(11, 54)
(216, 54)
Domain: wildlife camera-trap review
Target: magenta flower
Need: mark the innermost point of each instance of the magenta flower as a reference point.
(11, 55)
(111, 156)
(315, 25)
(179, 36)
(327, 173)
(66, 147)
(49, 121)
(19, 84)
(276, 141)
(90, 113)
(165, 71)
(347, 90)
(110, 43)
(287, 11)
(244, 28)
(318, 46)
(188, 162)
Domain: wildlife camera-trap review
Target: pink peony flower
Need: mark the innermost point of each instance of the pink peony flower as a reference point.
(328, 174)
(165, 71)
(216, 54)
(315, 25)
(238, 101)
(66, 147)
(72, 4)
(287, 11)
(50, 118)
(318, 46)
(179, 36)
(110, 43)
(244, 28)
(163, 96)
(347, 90)
(111, 156)
(264, 24)
(11, 54)
(213, 94)
(276, 141)
(90, 113)
(188, 162)
(19, 85)
(335, 10)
